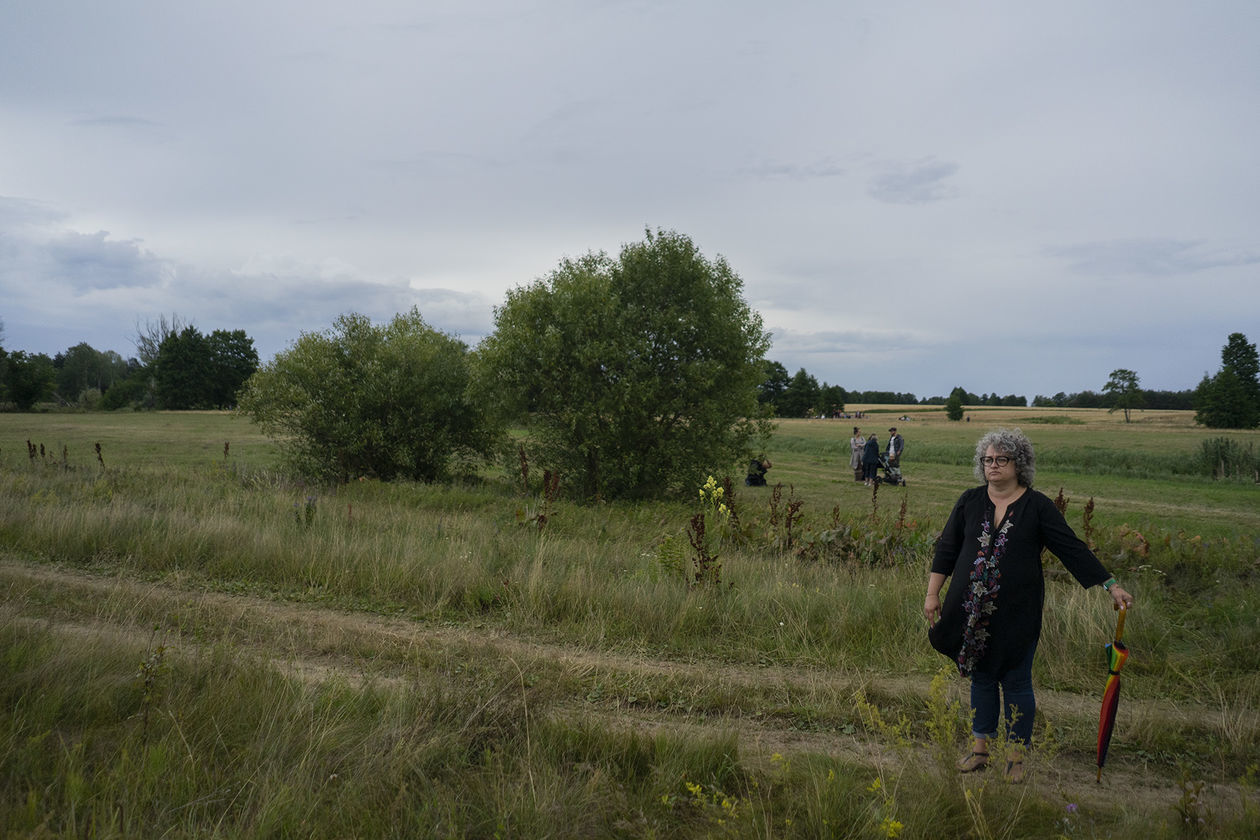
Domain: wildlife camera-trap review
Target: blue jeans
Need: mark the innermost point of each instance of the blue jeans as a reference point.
(1020, 707)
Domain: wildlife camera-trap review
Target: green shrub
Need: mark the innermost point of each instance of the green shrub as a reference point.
(1227, 458)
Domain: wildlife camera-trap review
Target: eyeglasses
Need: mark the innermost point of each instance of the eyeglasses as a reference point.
(999, 460)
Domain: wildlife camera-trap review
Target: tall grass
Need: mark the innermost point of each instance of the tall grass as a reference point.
(1224, 457)
(462, 740)
(222, 744)
(410, 550)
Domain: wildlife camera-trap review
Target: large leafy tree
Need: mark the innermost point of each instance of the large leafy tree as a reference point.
(802, 395)
(390, 402)
(233, 360)
(1240, 356)
(1231, 398)
(965, 397)
(1222, 402)
(83, 367)
(203, 371)
(28, 378)
(637, 375)
(774, 385)
(182, 372)
(140, 386)
(149, 337)
(1124, 390)
(831, 400)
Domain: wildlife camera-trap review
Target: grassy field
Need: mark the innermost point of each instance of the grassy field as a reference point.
(1144, 473)
(196, 646)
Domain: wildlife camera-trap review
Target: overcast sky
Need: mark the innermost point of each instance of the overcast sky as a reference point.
(1012, 197)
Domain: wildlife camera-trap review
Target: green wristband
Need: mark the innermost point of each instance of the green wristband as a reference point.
(1108, 583)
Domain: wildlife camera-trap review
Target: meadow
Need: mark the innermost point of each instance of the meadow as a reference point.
(196, 645)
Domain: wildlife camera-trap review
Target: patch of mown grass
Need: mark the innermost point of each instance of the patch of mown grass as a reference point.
(139, 439)
(1052, 420)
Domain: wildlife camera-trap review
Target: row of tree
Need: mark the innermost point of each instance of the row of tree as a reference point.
(800, 395)
(198, 371)
(1230, 399)
(1150, 399)
(632, 377)
(177, 367)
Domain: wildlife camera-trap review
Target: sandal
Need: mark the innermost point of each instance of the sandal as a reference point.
(1015, 772)
(972, 763)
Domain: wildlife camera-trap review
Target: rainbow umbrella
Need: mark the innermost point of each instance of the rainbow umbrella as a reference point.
(1117, 654)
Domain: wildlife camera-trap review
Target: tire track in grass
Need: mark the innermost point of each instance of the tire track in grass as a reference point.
(318, 644)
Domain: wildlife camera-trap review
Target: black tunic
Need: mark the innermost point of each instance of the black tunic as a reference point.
(1016, 623)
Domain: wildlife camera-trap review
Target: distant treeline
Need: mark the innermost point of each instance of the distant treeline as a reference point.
(1156, 400)
(180, 368)
(176, 368)
(801, 395)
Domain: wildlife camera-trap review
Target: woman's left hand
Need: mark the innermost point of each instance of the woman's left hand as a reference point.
(1122, 598)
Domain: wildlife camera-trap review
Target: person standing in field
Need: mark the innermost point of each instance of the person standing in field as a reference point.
(856, 444)
(870, 459)
(895, 444)
(990, 620)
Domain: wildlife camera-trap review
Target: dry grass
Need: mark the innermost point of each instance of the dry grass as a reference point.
(567, 676)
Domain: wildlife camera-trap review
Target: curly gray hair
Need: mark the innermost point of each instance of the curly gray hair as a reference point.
(1011, 442)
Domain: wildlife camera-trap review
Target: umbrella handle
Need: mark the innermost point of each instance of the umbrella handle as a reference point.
(1120, 621)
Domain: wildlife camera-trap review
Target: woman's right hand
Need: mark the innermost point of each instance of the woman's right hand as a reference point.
(932, 609)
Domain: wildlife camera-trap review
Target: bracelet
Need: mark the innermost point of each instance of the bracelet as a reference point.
(1107, 584)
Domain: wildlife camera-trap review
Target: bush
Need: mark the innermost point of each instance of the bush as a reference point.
(383, 402)
(638, 376)
(1224, 457)
(132, 391)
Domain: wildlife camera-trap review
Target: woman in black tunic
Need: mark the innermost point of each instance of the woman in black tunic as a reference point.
(990, 621)
(870, 459)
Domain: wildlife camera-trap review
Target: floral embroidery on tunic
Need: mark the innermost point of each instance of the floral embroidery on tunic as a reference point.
(980, 601)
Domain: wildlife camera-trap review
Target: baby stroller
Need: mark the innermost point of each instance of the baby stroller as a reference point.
(892, 473)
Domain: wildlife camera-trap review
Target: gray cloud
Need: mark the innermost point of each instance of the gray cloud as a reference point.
(1151, 257)
(16, 213)
(287, 304)
(270, 166)
(123, 284)
(865, 341)
(115, 122)
(796, 171)
(73, 265)
(85, 262)
(469, 316)
(919, 182)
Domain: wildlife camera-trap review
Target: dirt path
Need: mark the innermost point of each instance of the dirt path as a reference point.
(319, 643)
